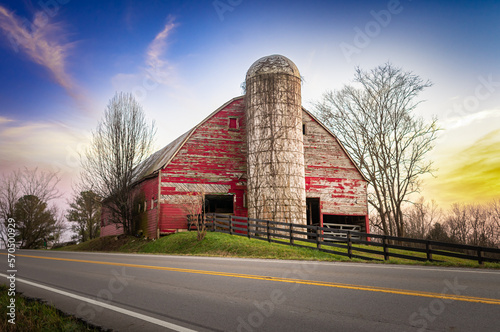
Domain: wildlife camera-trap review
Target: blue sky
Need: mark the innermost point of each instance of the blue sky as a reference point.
(62, 60)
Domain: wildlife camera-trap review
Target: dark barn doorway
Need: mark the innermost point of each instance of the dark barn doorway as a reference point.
(312, 211)
(313, 214)
(355, 223)
(219, 204)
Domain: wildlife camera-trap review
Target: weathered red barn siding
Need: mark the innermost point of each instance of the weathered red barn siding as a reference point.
(331, 176)
(148, 210)
(212, 161)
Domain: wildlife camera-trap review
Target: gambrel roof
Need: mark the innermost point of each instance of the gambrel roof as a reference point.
(161, 158)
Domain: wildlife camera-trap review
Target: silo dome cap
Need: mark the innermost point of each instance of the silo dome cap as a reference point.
(273, 64)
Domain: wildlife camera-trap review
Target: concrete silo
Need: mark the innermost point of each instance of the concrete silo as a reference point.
(275, 161)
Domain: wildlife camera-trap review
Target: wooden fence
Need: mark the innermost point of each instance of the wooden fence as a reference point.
(322, 238)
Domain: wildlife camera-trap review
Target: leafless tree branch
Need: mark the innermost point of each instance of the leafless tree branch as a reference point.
(122, 140)
(374, 120)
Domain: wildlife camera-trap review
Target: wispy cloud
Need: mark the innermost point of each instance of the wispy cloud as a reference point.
(40, 143)
(462, 121)
(155, 71)
(155, 54)
(4, 120)
(42, 42)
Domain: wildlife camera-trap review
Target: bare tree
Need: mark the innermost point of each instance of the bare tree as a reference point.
(420, 218)
(457, 223)
(480, 227)
(122, 140)
(9, 194)
(494, 209)
(473, 224)
(59, 228)
(24, 195)
(194, 205)
(374, 120)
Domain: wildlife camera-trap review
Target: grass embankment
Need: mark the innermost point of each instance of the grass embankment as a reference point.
(33, 315)
(225, 245)
(214, 244)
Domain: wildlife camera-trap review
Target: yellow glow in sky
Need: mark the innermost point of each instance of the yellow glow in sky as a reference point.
(471, 175)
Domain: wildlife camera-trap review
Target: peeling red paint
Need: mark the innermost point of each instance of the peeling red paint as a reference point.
(215, 156)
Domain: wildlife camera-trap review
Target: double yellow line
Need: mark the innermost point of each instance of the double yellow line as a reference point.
(288, 280)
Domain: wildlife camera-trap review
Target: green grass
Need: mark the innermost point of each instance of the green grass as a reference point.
(33, 315)
(214, 244)
(225, 245)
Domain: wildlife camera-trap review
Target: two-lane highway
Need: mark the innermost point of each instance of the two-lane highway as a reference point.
(128, 292)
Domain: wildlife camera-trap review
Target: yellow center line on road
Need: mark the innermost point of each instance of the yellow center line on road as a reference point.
(288, 280)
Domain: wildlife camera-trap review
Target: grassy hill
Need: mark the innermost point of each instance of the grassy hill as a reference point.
(214, 244)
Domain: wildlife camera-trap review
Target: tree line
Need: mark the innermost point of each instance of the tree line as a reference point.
(464, 223)
(28, 196)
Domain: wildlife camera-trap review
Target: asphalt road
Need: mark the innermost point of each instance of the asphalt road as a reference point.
(127, 292)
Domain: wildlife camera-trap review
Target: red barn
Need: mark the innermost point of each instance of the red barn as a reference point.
(211, 161)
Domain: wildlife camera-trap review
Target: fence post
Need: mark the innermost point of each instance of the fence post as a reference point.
(318, 236)
(349, 244)
(428, 250)
(291, 234)
(268, 234)
(386, 248)
(479, 255)
(213, 222)
(248, 228)
(231, 225)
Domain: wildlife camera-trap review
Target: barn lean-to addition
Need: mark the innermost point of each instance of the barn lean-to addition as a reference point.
(261, 155)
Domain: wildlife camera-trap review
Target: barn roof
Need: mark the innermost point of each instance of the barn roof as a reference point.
(162, 157)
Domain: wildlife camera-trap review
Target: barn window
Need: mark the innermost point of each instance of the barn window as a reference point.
(304, 129)
(233, 123)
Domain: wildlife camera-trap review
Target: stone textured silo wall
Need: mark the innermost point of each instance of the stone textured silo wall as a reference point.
(275, 160)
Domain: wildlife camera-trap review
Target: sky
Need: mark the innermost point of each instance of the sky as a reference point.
(63, 60)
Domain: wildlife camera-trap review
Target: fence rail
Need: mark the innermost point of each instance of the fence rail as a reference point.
(323, 239)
